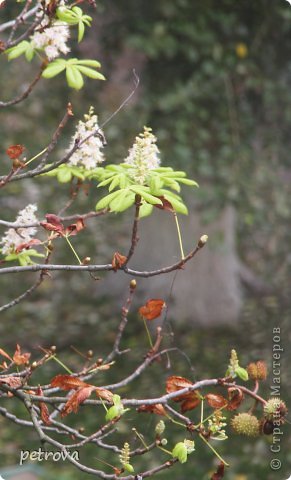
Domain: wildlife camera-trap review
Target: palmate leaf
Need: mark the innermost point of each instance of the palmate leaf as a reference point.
(22, 48)
(75, 69)
(74, 16)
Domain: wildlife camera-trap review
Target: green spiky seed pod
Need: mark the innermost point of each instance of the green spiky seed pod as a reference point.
(246, 424)
(275, 409)
(257, 371)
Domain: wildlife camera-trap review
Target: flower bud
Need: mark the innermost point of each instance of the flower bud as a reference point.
(133, 284)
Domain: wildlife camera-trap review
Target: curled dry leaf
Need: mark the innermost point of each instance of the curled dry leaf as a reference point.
(20, 358)
(104, 393)
(118, 260)
(44, 412)
(216, 401)
(190, 400)
(27, 245)
(68, 382)
(152, 309)
(14, 151)
(175, 383)
(235, 396)
(157, 408)
(76, 399)
(53, 224)
(219, 474)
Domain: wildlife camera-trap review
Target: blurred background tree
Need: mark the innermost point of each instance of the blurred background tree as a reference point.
(215, 87)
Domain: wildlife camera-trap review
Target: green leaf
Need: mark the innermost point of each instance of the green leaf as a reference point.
(178, 206)
(112, 413)
(74, 77)
(242, 373)
(123, 201)
(145, 210)
(29, 53)
(89, 63)
(89, 72)
(180, 452)
(81, 31)
(187, 181)
(20, 49)
(64, 175)
(105, 201)
(114, 183)
(156, 184)
(54, 68)
(146, 196)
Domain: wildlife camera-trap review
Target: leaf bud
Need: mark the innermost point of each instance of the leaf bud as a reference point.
(86, 261)
(202, 241)
(133, 284)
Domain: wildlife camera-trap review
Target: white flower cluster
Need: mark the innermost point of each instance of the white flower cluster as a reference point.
(143, 156)
(89, 155)
(15, 237)
(52, 39)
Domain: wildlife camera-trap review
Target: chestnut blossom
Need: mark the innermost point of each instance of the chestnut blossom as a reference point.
(143, 155)
(52, 39)
(89, 154)
(14, 237)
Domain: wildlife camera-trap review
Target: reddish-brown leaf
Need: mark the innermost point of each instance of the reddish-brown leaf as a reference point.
(14, 151)
(76, 399)
(166, 205)
(104, 393)
(53, 224)
(75, 228)
(68, 382)
(44, 412)
(4, 354)
(118, 260)
(152, 309)
(157, 408)
(27, 245)
(190, 402)
(216, 401)
(219, 474)
(20, 358)
(235, 396)
(175, 383)
(13, 382)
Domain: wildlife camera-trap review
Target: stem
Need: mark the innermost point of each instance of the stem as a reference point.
(213, 449)
(53, 357)
(148, 333)
(140, 437)
(73, 250)
(164, 450)
(179, 235)
(36, 156)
